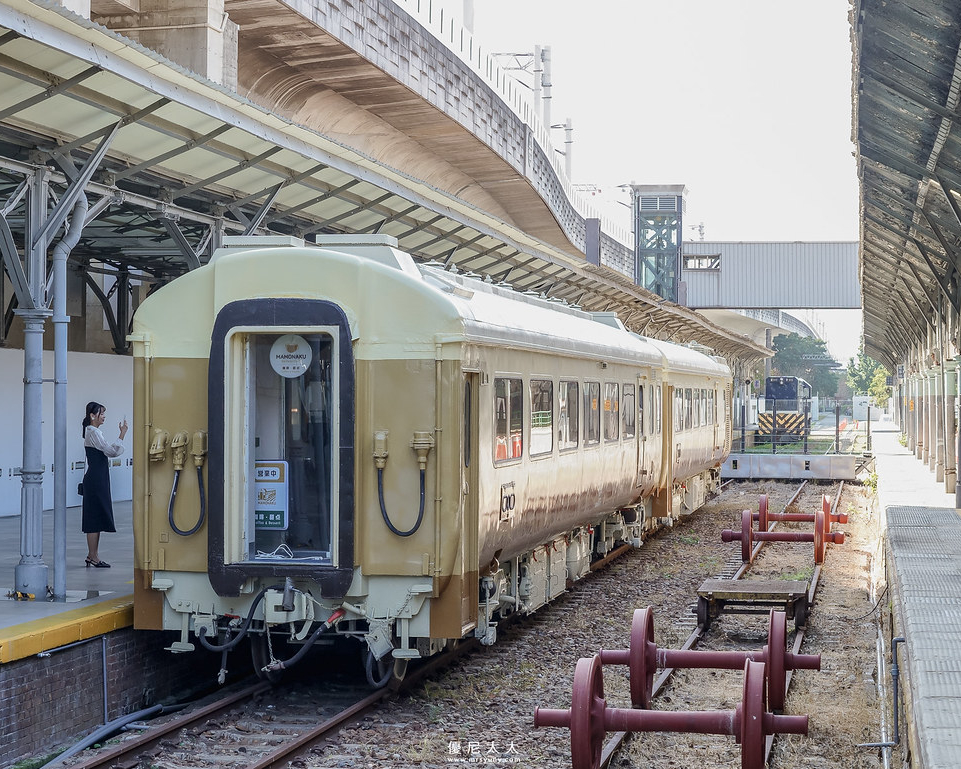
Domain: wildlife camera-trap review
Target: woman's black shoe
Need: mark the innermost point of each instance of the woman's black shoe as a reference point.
(98, 564)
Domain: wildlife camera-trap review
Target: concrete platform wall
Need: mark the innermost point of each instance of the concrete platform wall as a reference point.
(836, 467)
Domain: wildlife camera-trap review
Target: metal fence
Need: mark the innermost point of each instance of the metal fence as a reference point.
(802, 427)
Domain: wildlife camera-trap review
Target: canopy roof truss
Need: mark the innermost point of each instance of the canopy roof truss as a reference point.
(176, 162)
(907, 82)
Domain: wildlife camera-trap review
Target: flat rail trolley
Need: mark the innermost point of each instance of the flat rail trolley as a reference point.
(752, 597)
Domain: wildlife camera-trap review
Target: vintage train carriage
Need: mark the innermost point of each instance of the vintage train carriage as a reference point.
(386, 439)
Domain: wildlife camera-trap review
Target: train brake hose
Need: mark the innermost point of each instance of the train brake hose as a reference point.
(278, 665)
(383, 507)
(202, 630)
(173, 498)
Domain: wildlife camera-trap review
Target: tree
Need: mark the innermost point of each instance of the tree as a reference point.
(862, 371)
(879, 390)
(807, 358)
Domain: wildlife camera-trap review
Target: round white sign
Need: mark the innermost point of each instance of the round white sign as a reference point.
(290, 355)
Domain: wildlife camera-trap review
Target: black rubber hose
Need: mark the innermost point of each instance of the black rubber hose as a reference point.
(106, 731)
(383, 507)
(278, 665)
(173, 498)
(369, 663)
(202, 630)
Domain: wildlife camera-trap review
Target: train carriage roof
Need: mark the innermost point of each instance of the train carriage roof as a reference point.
(396, 309)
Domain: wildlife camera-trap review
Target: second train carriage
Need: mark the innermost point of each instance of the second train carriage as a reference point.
(405, 453)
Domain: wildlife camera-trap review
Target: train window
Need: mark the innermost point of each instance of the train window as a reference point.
(292, 416)
(567, 415)
(656, 425)
(678, 410)
(628, 410)
(640, 409)
(592, 413)
(542, 417)
(612, 417)
(508, 418)
(688, 408)
(696, 408)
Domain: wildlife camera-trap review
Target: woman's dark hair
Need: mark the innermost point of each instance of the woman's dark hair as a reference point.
(92, 408)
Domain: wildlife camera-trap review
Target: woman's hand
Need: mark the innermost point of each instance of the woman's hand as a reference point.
(123, 429)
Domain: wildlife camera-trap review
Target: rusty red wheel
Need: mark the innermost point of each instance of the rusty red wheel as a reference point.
(819, 537)
(587, 714)
(747, 536)
(776, 662)
(642, 659)
(826, 504)
(751, 711)
(762, 519)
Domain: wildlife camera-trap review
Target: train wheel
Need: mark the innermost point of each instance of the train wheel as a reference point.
(260, 656)
(703, 612)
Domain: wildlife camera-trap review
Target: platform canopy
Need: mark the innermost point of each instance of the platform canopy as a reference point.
(907, 82)
(181, 161)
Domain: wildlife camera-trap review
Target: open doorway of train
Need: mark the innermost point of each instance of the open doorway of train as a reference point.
(290, 407)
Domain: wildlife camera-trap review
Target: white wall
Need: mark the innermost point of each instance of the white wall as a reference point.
(107, 379)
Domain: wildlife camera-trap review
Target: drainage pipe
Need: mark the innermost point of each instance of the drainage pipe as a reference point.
(60, 322)
(887, 745)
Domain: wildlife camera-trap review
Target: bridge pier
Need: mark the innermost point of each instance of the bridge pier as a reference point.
(196, 34)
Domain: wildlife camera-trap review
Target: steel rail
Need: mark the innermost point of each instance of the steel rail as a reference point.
(118, 754)
(617, 738)
(127, 752)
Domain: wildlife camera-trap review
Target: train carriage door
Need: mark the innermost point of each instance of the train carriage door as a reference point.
(663, 499)
(281, 463)
(643, 477)
(728, 426)
(470, 455)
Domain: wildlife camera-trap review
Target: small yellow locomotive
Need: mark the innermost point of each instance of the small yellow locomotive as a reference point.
(393, 453)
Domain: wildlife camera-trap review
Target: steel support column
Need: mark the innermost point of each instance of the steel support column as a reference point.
(936, 463)
(31, 572)
(951, 426)
(957, 475)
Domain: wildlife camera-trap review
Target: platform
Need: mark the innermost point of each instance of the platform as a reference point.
(924, 567)
(98, 600)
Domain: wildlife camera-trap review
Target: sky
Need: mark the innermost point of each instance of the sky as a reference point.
(746, 102)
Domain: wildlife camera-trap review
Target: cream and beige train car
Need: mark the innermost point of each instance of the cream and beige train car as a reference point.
(392, 453)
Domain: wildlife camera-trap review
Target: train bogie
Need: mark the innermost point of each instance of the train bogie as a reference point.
(397, 455)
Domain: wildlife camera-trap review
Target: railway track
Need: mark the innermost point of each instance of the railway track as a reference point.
(734, 569)
(257, 727)
(273, 736)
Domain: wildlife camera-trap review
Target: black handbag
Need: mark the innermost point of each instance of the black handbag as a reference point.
(80, 488)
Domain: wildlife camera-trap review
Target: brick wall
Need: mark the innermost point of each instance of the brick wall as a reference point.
(51, 702)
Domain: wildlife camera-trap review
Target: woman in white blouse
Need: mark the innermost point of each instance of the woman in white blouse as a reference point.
(97, 504)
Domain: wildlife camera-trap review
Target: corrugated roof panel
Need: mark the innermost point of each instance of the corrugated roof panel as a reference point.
(775, 275)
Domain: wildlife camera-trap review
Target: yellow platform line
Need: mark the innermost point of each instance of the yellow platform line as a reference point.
(29, 638)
